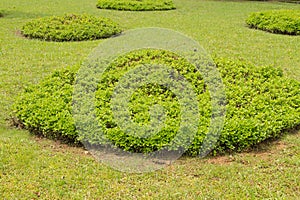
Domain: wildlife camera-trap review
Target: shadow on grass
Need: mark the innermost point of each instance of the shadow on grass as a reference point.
(12, 14)
(265, 146)
(268, 146)
(2, 13)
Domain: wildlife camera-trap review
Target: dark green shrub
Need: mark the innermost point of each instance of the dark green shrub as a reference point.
(136, 5)
(1, 13)
(276, 21)
(290, 1)
(70, 27)
(261, 103)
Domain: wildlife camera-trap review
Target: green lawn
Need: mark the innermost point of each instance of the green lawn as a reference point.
(32, 168)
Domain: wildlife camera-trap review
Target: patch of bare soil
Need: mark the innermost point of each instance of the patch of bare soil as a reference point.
(264, 151)
(19, 34)
(221, 160)
(59, 146)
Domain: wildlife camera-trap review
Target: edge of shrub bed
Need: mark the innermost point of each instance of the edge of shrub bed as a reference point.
(142, 5)
(261, 103)
(276, 21)
(70, 27)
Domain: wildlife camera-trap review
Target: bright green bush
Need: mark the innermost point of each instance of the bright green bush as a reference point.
(45, 109)
(70, 27)
(276, 21)
(136, 5)
(261, 103)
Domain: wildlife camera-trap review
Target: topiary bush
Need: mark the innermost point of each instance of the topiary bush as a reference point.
(136, 5)
(276, 21)
(261, 103)
(70, 27)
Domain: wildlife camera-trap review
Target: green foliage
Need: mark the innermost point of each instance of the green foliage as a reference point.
(291, 1)
(44, 169)
(1, 13)
(144, 98)
(261, 103)
(136, 5)
(276, 21)
(46, 108)
(70, 27)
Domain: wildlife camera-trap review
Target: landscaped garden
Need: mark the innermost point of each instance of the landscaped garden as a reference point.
(256, 49)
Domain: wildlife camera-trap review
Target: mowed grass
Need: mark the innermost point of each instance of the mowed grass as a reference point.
(41, 169)
(32, 168)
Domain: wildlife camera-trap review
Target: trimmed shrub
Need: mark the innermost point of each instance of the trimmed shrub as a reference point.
(70, 27)
(136, 5)
(45, 109)
(261, 103)
(276, 21)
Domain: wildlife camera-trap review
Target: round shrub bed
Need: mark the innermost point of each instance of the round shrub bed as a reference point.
(261, 103)
(136, 5)
(276, 21)
(70, 27)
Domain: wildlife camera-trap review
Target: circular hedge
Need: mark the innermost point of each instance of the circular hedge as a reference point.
(136, 5)
(276, 21)
(70, 27)
(260, 104)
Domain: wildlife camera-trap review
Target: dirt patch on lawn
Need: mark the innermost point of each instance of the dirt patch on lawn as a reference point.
(264, 151)
(59, 146)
